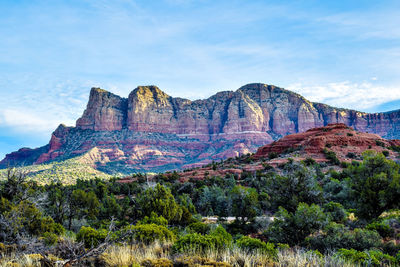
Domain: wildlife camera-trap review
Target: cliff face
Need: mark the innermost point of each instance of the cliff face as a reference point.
(104, 112)
(153, 131)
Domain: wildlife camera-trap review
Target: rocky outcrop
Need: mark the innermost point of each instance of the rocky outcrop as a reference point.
(263, 110)
(152, 131)
(338, 138)
(105, 112)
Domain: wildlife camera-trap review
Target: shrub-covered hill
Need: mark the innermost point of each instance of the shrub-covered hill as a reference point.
(280, 208)
(66, 171)
(292, 215)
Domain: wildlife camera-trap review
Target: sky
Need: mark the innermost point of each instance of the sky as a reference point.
(343, 53)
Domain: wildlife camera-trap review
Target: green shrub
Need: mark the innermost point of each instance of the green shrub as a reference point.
(350, 134)
(218, 239)
(382, 228)
(199, 227)
(272, 155)
(58, 229)
(337, 236)
(385, 153)
(90, 236)
(198, 242)
(379, 143)
(50, 238)
(154, 219)
(351, 155)
(395, 148)
(148, 233)
(331, 156)
(293, 228)
(344, 164)
(309, 161)
(375, 185)
(252, 244)
(47, 224)
(161, 201)
(367, 258)
(335, 211)
(222, 234)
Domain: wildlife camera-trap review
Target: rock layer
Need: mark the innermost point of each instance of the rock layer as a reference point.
(153, 131)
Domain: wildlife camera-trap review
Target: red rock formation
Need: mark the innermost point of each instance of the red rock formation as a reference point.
(105, 112)
(336, 137)
(151, 130)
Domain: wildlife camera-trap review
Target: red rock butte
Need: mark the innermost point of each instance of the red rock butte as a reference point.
(152, 131)
(338, 138)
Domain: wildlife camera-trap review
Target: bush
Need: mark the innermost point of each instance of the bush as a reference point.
(90, 236)
(335, 211)
(298, 185)
(199, 227)
(148, 233)
(293, 228)
(367, 258)
(337, 236)
(154, 219)
(272, 155)
(47, 224)
(50, 238)
(331, 156)
(218, 240)
(309, 161)
(385, 153)
(198, 242)
(379, 143)
(376, 185)
(382, 228)
(351, 155)
(344, 164)
(222, 234)
(160, 201)
(252, 244)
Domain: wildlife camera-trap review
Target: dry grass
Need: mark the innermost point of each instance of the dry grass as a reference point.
(32, 260)
(126, 255)
(158, 255)
(297, 258)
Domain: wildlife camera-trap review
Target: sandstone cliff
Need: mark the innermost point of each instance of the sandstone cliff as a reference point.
(152, 131)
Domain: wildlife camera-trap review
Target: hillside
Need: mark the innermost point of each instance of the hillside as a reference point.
(298, 199)
(151, 131)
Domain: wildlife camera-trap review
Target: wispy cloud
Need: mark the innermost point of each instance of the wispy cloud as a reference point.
(360, 96)
(52, 52)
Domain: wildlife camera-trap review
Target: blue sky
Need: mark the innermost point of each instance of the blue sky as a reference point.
(343, 53)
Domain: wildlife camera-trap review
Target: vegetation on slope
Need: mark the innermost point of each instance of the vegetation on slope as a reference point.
(284, 216)
(67, 172)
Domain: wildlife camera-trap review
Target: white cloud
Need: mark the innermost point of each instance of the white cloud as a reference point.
(359, 96)
(25, 120)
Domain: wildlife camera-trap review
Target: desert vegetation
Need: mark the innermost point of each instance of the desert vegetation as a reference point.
(300, 214)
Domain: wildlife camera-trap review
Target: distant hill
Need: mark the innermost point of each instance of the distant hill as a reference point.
(151, 131)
